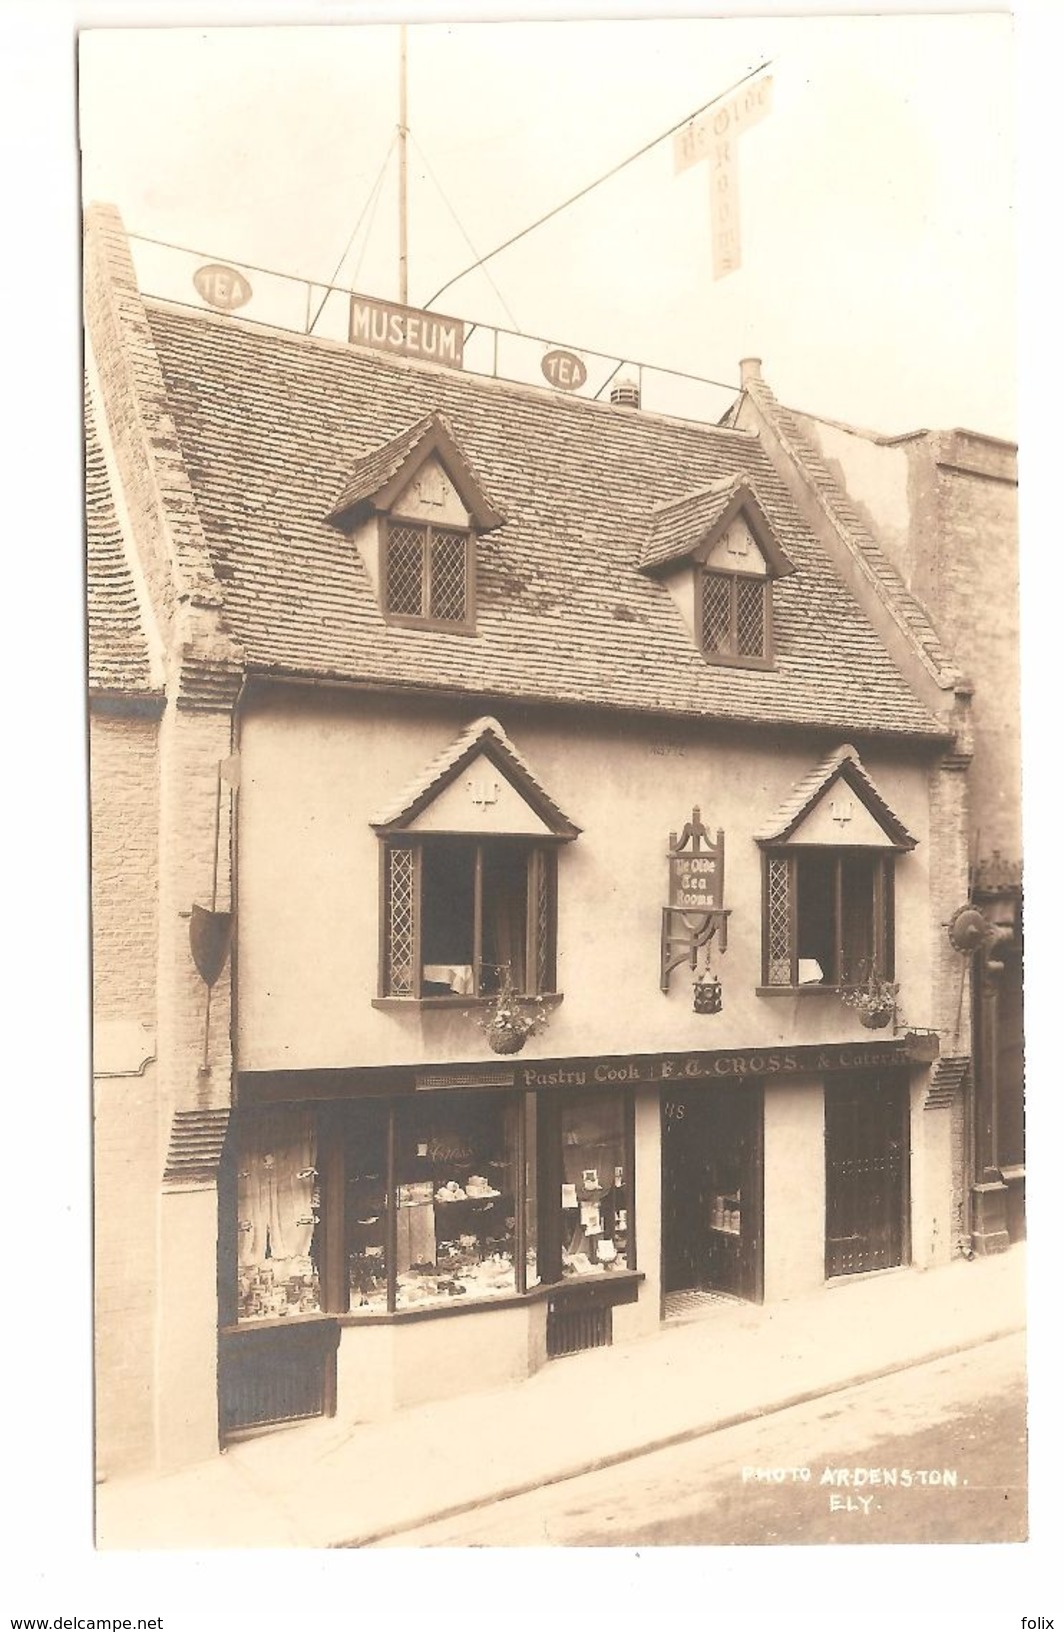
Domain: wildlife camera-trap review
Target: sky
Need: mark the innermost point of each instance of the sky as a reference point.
(877, 198)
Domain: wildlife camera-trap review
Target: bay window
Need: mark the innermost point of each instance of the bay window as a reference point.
(461, 913)
(828, 916)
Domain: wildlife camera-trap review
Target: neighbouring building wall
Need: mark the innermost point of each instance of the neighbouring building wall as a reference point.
(126, 1142)
(944, 506)
(314, 773)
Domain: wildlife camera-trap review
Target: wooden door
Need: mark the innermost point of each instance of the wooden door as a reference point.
(866, 1140)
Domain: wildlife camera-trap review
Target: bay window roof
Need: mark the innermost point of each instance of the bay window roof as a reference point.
(479, 782)
(836, 802)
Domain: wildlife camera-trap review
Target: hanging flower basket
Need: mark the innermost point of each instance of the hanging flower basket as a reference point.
(875, 1001)
(506, 1038)
(510, 1019)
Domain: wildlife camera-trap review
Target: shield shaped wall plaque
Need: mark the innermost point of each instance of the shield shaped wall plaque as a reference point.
(209, 934)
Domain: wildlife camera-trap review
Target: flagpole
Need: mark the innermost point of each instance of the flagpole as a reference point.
(403, 289)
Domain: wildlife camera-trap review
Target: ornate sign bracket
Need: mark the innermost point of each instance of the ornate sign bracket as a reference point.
(695, 913)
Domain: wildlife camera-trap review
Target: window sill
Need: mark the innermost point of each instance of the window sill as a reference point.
(728, 661)
(625, 1281)
(456, 1001)
(438, 626)
(812, 990)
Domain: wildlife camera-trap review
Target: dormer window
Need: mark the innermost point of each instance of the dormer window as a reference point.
(718, 556)
(735, 616)
(414, 510)
(428, 574)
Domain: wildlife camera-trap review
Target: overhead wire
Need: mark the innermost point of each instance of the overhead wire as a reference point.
(374, 193)
(609, 174)
(454, 214)
(369, 228)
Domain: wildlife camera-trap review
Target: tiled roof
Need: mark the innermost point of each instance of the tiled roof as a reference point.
(844, 762)
(117, 648)
(271, 426)
(375, 474)
(485, 734)
(679, 526)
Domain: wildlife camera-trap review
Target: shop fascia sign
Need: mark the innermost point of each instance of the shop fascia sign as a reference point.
(804, 1059)
(404, 329)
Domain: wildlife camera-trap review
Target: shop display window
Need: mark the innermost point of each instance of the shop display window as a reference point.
(456, 1215)
(278, 1202)
(365, 1206)
(595, 1189)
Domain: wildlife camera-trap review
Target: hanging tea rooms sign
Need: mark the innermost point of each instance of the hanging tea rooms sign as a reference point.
(695, 912)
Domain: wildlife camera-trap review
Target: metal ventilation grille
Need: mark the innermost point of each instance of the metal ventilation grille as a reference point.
(447, 577)
(750, 617)
(572, 1328)
(716, 612)
(405, 558)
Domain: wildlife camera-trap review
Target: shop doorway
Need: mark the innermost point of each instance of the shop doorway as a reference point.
(712, 1194)
(866, 1141)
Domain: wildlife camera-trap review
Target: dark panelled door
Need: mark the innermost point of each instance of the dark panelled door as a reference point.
(866, 1138)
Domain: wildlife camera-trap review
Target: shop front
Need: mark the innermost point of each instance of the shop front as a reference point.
(394, 1236)
(353, 1220)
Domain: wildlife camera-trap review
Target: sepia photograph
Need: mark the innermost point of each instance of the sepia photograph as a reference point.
(553, 794)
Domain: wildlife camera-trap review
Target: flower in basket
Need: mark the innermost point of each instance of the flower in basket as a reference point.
(875, 1000)
(511, 1019)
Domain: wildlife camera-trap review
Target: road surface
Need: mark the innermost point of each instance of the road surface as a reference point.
(936, 1453)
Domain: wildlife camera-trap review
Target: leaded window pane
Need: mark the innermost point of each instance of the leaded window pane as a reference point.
(716, 612)
(779, 921)
(404, 573)
(447, 577)
(401, 924)
(750, 616)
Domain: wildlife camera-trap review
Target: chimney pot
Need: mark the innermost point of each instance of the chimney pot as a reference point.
(749, 369)
(625, 394)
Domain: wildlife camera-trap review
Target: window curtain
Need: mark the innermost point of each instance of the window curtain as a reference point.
(276, 1178)
(505, 910)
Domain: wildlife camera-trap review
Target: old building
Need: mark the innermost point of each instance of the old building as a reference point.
(537, 904)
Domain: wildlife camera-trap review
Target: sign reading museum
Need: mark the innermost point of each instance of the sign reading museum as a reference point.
(387, 327)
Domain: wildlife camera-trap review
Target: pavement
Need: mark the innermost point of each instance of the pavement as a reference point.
(336, 1484)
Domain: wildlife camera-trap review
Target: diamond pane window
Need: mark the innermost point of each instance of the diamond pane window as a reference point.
(405, 550)
(716, 612)
(447, 576)
(735, 617)
(829, 916)
(464, 913)
(750, 616)
(427, 574)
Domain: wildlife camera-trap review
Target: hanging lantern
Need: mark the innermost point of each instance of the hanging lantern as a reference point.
(708, 996)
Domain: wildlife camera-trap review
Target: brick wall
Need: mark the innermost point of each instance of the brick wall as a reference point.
(963, 497)
(124, 776)
(124, 772)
